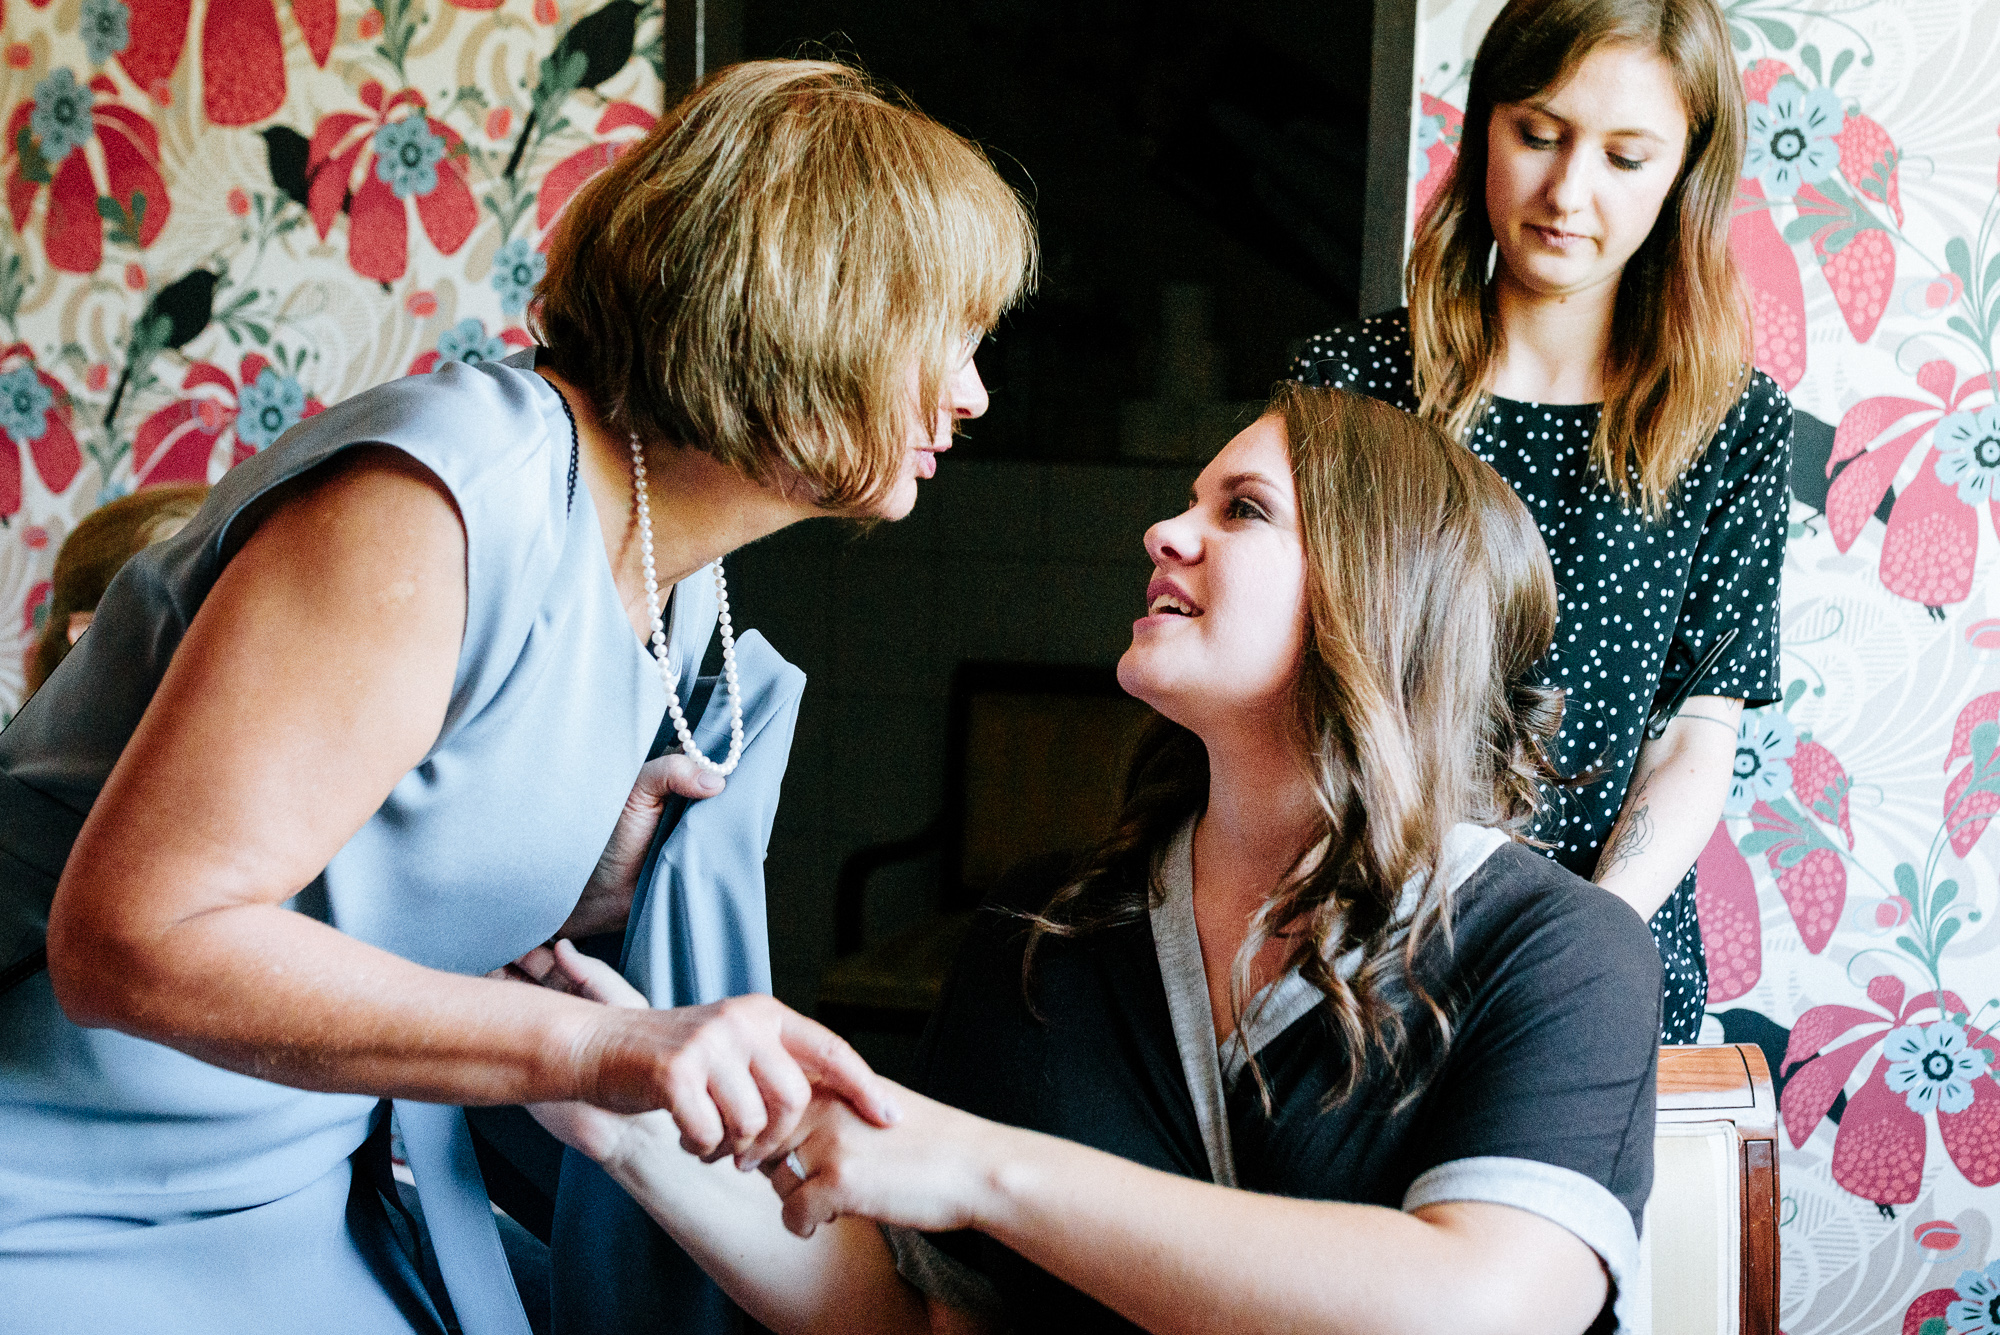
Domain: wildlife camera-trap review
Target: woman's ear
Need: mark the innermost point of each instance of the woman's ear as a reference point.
(79, 622)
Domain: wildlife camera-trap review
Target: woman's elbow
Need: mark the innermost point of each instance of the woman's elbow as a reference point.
(97, 973)
(1516, 1273)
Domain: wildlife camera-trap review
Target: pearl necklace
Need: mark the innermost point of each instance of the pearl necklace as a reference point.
(658, 644)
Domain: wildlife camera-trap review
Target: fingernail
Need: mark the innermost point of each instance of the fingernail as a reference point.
(891, 1113)
(709, 783)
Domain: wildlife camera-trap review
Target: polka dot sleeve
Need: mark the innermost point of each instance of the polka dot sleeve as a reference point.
(1740, 554)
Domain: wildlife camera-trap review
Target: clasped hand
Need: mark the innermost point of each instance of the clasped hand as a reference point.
(892, 1155)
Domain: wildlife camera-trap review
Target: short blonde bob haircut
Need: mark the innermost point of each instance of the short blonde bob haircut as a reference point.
(762, 276)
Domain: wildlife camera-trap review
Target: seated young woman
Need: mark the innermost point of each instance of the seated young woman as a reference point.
(1313, 1041)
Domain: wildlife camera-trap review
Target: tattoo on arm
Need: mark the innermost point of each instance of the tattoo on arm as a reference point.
(1631, 836)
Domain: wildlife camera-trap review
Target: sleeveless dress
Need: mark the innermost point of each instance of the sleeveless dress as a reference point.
(141, 1188)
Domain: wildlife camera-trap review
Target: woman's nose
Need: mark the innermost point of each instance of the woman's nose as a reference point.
(1172, 542)
(1568, 187)
(966, 392)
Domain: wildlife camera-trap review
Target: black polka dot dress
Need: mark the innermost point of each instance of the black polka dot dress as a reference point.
(1639, 600)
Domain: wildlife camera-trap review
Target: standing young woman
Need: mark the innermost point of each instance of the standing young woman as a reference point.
(1574, 317)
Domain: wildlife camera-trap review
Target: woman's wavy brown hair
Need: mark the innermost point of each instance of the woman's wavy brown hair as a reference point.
(1429, 602)
(1680, 333)
(759, 275)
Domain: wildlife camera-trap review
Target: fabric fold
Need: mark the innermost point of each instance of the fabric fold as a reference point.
(697, 934)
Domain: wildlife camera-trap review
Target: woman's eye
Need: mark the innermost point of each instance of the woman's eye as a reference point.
(1626, 164)
(1533, 140)
(1244, 508)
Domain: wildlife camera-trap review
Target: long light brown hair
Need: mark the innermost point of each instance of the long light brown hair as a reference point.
(759, 276)
(1680, 335)
(1429, 601)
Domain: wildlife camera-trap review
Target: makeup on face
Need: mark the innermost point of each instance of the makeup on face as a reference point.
(1224, 615)
(1577, 175)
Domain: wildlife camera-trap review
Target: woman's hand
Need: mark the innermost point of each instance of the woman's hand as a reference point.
(932, 1171)
(607, 896)
(582, 1126)
(736, 1076)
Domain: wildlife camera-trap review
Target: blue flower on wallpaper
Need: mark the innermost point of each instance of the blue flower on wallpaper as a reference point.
(268, 407)
(1430, 129)
(468, 341)
(1977, 1311)
(61, 119)
(24, 404)
(1968, 447)
(1933, 1066)
(1765, 741)
(1792, 137)
(407, 153)
(106, 28)
(516, 270)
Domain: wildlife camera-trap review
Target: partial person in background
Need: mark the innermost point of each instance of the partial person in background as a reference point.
(95, 551)
(1312, 1042)
(1575, 318)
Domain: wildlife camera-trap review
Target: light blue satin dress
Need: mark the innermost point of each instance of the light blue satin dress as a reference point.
(142, 1189)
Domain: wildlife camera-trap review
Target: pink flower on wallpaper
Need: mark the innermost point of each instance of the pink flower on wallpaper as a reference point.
(1933, 537)
(402, 162)
(1966, 813)
(567, 177)
(1769, 271)
(35, 413)
(1820, 781)
(176, 443)
(50, 142)
(1433, 147)
(1811, 877)
(1942, 1068)
(242, 52)
(1857, 259)
(1808, 868)
(1732, 933)
(1856, 255)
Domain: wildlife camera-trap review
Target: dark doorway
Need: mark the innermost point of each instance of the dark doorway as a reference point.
(1196, 169)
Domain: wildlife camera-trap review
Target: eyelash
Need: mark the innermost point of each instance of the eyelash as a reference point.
(1243, 508)
(1622, 164)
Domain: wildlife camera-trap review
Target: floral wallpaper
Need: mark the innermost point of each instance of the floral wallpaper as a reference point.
(1848, 897)
(223, 215)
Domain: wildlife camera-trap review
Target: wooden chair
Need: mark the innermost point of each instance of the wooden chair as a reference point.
(1035, 759)
(1709, 1254)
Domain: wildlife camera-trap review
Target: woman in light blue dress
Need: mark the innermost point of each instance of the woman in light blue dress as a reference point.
(366, 729)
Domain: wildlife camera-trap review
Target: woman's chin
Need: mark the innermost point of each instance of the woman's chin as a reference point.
(1141, 678)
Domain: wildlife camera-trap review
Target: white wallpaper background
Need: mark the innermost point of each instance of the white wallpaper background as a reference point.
(244, 210)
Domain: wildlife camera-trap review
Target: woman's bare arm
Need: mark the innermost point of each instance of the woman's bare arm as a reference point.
(314, 676)
(1672, 803)
(1176, 1255)
(840, 1279)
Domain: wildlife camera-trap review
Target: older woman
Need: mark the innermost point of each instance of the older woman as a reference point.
(1312, 1043)
(361, 732)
